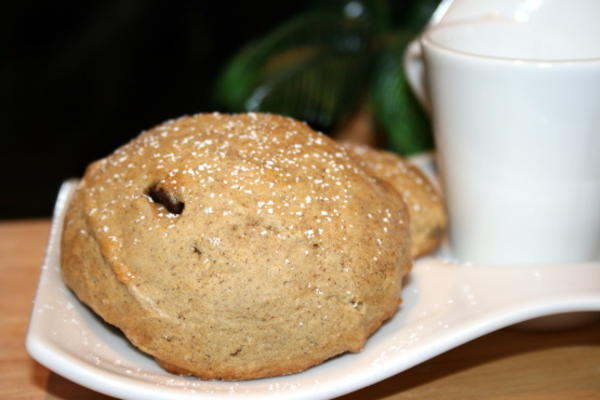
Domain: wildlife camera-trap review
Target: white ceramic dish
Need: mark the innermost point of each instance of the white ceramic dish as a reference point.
(445, 305)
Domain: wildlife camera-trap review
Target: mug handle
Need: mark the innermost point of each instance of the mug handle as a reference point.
(414, 69)
(414, 65)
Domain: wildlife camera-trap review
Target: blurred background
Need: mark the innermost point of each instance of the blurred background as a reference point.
(80, 79)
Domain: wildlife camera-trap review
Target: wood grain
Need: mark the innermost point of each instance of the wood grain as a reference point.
(506, 365)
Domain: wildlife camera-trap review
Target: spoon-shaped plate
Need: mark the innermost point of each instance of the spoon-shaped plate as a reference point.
(445, 305)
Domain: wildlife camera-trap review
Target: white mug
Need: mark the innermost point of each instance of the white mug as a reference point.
(515, 104)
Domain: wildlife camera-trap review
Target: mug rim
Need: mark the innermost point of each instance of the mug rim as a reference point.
(427, 40)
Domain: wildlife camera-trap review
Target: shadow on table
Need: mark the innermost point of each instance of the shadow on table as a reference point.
(59, 388)
(498, 348)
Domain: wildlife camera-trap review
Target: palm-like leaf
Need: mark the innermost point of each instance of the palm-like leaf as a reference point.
(396, 109)
(313, 68)
(319, 66)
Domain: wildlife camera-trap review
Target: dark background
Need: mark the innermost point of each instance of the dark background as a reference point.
(81, 78)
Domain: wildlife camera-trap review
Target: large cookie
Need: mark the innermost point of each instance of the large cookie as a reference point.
(237, 246)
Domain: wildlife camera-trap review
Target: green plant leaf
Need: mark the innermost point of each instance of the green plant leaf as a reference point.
(313, 67)
(406, 125)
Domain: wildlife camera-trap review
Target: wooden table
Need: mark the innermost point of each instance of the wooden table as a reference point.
(505, 365)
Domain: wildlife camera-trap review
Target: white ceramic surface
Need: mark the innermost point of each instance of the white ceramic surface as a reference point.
(460, 11)
(514, 93)
(445, 305)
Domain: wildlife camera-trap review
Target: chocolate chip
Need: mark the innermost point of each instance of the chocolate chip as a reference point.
(168, 200)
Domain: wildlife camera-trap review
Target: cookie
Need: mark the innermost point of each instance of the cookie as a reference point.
(428, 220)
(237, 246)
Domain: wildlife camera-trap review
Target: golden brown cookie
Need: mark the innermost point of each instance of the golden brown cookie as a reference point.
(427, 214)
(237, 246)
